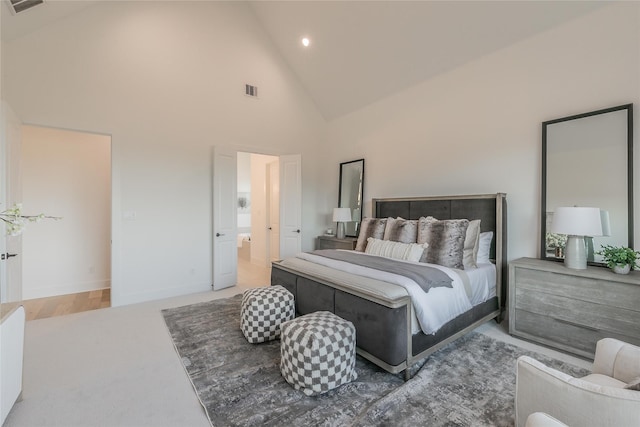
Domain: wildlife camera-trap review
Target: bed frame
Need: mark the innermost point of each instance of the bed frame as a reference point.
(383, 323)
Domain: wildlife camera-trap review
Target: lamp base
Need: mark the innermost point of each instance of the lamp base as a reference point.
(340, 230)
(575, 253)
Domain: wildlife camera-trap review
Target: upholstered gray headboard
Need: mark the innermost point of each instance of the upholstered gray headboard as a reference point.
(490, 209)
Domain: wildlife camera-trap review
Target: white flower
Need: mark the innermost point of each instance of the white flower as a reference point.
(15, 221)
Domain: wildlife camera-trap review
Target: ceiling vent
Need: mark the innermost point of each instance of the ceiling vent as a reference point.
(250, 90)
(18, 6)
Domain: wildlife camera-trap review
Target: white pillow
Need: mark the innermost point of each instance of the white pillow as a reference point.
(395, 250)
(484, 247)
(471, 243)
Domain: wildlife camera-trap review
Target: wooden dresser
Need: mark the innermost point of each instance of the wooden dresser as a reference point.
(572, 309)
(332, 242)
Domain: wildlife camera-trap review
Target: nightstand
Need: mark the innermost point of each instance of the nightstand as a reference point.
(332, 242)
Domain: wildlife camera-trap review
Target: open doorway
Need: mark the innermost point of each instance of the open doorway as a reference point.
(66, 264)
(258, 208)
(288, 192)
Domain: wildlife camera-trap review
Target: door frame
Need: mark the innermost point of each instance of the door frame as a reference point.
(251, 150)
(115, 261)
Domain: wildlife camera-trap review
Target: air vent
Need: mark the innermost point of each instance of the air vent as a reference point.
(251, 90)
(18, 6)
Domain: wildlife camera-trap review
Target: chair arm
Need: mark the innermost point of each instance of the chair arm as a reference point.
(540, 419)
(617, 359)
(572, 401)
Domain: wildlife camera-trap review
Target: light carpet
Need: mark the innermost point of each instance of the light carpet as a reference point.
(470, 382)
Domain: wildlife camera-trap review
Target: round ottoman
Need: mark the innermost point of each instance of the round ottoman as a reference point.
(318, 352)
(263, 310)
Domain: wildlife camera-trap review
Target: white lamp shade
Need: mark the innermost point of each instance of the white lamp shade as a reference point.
(577, 221)
(342, 215)
(606, 226)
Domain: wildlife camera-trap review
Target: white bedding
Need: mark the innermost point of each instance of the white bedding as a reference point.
(482, 282)
(439, 305)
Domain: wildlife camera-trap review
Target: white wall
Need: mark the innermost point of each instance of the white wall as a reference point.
(477, 129)
(66, 174)
(166, 81)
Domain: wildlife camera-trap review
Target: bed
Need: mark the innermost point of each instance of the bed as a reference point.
(389, 333)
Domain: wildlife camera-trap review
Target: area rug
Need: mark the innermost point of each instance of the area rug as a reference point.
(470, 382)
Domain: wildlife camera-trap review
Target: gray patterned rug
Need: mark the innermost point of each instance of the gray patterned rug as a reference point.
(470, 382)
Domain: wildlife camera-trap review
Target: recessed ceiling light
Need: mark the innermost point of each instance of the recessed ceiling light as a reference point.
(305, 42)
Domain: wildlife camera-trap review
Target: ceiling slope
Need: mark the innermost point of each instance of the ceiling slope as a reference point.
(363, 51)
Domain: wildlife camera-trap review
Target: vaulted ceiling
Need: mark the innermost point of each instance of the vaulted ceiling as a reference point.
(363, 51)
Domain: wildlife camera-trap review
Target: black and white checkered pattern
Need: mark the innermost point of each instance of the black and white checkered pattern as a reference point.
(318, 352)
(262, 312)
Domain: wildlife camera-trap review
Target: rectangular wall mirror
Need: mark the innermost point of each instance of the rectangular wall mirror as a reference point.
(587, 160)
(350, 193)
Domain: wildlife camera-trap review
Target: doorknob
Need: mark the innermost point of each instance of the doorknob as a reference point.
(298, 231)
(7, 256)
(270, 228)
(218, 234)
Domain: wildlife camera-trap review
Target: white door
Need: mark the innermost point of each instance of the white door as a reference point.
(290, 205)
(273, 209)
(10, 193)
(225, 216)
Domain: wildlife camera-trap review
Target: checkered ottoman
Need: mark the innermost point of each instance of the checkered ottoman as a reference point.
(262, 312)
(318, 352)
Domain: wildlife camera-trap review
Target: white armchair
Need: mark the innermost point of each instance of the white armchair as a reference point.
(598, 400)
(540, 419)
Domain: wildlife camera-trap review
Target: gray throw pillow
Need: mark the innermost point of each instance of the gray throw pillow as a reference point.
(446, 241)
(370, 227)
(401, 230)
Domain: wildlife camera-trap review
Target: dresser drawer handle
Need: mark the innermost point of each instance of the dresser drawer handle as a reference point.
(577, 325)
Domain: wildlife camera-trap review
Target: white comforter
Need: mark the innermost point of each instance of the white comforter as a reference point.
(433, 309)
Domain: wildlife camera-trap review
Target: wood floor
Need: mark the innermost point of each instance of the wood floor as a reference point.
(41, 308)
(251, 275)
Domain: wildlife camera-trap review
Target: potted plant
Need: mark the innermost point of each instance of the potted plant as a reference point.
(619, 258)
(556, 243)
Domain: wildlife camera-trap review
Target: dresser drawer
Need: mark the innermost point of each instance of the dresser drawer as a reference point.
(330, 242)
(594, 290)
(577, 311)
(553, 332)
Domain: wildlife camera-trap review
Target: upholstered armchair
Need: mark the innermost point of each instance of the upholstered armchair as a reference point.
(540, 419)
(599, 399)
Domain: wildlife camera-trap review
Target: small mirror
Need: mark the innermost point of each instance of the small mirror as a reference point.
(586, 161)
(350, 193)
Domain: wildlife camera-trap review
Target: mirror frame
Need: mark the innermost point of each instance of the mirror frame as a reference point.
(342, 165)
(543, 201)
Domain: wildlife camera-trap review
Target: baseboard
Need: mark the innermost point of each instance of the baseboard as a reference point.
(74, 288)
(119, 299)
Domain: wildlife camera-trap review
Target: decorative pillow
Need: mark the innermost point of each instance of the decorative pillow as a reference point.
(634, 384)
(370, 227)
(446, 241)
(484, 247)
(396, 250)
(471, 241)
(401, 230)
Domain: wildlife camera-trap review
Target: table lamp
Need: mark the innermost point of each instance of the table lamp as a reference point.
(341, 215)
(576, 222)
